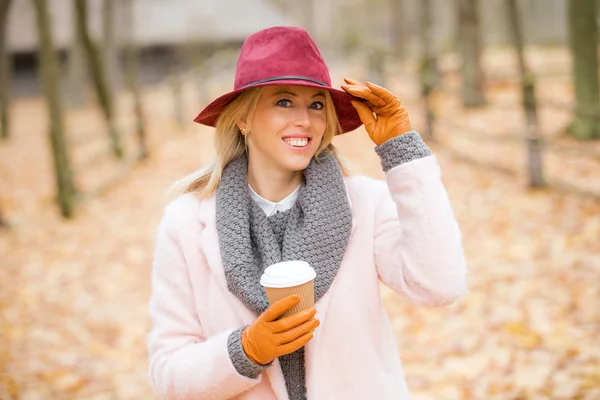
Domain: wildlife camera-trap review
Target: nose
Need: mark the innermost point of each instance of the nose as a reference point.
(302, 117)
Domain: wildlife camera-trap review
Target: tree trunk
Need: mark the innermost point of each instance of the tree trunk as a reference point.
(470, 44)
(376, 64)
(77, 74)
(176, 79)
(49, 69)
(583, 40)
(3, 223)
(111, 48)
(96, 65)
(399, 34)
(428, 70)
(532, 134)
(5, 71)
(132, 78)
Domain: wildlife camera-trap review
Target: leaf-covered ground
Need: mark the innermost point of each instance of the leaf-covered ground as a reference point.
(74, 295)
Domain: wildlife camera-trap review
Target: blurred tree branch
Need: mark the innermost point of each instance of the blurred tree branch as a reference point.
(49, 70)
(76, 70)
(583, 40)
(111, 47)
(399, 34)
(131, 74)
(532, 137)
(5, 71)
(470, 45)
(99, 75)
(428, 71)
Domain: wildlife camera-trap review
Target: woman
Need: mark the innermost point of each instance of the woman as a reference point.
(278, 191)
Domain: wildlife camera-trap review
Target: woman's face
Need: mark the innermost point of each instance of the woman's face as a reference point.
(287, 127)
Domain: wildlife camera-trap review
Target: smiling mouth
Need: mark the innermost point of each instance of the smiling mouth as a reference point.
(297, 142)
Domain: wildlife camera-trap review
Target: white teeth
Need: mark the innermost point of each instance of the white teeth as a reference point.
(297, 142)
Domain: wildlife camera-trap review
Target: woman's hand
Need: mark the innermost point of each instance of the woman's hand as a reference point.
(268, 338)
(391, 118)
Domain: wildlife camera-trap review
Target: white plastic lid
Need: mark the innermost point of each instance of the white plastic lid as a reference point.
(287, 274)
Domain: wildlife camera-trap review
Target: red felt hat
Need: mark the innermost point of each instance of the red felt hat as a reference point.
(282, 55)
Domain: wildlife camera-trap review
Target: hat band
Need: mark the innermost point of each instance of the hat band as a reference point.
(285, 78)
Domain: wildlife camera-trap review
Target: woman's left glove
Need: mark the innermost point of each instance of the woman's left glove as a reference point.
(390, 119)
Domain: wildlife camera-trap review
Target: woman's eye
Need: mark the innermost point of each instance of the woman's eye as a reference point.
(284, 103)
(317, 105)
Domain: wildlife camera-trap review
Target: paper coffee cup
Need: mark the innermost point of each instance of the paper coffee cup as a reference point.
(287, 278)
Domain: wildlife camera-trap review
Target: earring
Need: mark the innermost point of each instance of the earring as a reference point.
(243, 131)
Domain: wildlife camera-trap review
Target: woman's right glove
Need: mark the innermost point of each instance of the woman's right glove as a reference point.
(268, 338)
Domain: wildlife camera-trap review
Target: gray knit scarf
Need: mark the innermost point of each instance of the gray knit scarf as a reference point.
(316, 230)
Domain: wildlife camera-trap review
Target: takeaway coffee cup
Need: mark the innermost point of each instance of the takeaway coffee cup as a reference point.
(287, 278)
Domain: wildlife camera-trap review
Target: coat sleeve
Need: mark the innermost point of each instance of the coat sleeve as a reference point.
(184, 363)
(418, 244)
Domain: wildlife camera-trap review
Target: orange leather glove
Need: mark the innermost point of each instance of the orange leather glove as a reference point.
(268, 338)
(391, 118)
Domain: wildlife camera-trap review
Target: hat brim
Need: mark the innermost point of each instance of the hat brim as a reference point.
(347, 115)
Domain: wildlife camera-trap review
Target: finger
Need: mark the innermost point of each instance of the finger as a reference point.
(353, 82)
(295, 333)
(355, 88)
(365, 114)
(295, 345)
(382, 93)
(293, 321)
(279, 307)
(364, 93)
(359, 89)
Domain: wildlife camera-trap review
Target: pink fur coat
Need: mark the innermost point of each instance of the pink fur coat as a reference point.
(404, 234)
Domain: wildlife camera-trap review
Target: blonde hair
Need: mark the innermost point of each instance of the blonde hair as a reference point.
(230, 143)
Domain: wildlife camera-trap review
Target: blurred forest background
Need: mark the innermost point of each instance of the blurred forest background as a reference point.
(97, 99)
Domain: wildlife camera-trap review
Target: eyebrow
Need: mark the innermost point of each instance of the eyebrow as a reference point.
(283, 91)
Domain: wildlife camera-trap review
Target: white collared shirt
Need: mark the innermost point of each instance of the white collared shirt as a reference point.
(270, 207)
